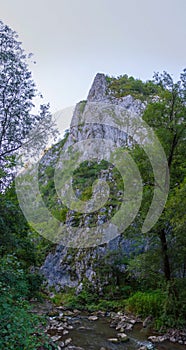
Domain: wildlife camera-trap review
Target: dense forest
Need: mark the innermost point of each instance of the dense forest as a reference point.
(154, 279)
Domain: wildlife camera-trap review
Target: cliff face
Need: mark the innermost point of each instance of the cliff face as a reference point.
(95, 118)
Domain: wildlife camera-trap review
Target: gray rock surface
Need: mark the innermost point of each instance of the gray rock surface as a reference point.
(95, 118)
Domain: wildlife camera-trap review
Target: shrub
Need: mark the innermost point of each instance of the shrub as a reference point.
(147, 303)
(18, 326)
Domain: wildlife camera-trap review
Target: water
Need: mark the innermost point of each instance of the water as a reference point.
(92, 335)
(95, 335)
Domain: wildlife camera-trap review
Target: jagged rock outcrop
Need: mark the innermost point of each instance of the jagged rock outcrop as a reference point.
(95, 118)
(94, 266)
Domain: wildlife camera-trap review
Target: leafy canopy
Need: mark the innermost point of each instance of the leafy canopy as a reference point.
(17, 93)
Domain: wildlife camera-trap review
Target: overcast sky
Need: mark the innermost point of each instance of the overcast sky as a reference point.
(72, 40)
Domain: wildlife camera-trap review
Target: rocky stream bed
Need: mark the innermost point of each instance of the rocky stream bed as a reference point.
(76, 330)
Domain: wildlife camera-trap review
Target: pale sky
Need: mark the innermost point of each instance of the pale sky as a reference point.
(72, 40)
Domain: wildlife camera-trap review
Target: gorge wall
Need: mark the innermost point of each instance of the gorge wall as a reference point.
(97, 266)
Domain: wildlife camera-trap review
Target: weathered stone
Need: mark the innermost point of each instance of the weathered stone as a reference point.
(113, 340)
(69, 327)
(93, 318)
(148, 321)
(56, 338)
(124, 325)
(72, 347)
(123, 337)
(98, 89)
(172, 339)
(53, 313)
(68, 341)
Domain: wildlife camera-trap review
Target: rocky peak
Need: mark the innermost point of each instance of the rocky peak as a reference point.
(100, 98)
(98, 88)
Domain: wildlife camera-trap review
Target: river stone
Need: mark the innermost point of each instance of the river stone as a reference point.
(56, 338)
(53, 313)
(154, 339)
(72, 347)
(83, 328)
(123, 337)
(124, 325)
(93, 318)
(113, 340)
(172, 339)
(69, 327)
(159, 339)
(68, 341)
(148, 321)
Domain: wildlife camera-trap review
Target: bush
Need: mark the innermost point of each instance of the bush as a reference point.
(174, 308)
(147, 303)
(18, 326)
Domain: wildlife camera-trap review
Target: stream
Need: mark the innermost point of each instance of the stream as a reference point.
(94, 334)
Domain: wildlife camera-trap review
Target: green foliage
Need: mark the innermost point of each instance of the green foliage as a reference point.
(83, 179)
(82, 106)
(86, 300)
(71, 300)
(174, 307)
(18, 325)
(166, 305)
(17, 92)
(146, 303)
(124, 85)
(146, 268)
(176, 214)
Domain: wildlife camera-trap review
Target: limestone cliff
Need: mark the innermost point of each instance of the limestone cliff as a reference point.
(68, 267)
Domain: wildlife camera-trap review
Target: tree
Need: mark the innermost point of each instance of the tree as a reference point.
(167, 116)
(17, 93)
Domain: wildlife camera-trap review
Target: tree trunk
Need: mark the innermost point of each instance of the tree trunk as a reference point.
(166, 264)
